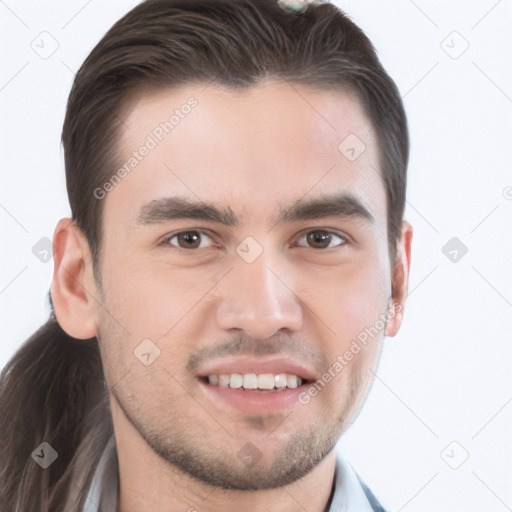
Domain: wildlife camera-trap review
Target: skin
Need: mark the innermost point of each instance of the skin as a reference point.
(253, 152)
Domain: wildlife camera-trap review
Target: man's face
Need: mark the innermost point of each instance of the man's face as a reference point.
(278, 262)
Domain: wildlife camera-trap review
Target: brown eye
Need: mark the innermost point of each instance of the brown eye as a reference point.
(189, 240)
(321, 239)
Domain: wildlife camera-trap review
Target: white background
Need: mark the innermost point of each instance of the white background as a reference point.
(446, 376)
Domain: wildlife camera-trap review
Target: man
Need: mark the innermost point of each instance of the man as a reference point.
(236, 172)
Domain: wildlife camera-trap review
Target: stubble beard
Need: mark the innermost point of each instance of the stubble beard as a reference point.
(219, 466)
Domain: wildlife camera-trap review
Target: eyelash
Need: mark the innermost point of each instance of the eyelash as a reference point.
(344, 238)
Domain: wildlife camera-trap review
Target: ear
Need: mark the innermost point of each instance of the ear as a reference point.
(400, 281)
(73, 285)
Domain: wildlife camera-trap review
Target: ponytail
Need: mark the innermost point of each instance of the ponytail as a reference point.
(52, 390)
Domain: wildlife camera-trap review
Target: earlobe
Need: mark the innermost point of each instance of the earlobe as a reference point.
(73, 284)
(400, 281)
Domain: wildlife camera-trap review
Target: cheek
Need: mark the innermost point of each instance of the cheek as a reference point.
(142, 338)
(354, 307)
(149, 299)
(352, 302)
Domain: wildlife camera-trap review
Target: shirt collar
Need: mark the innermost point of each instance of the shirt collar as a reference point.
(102, 495)
(349, 495)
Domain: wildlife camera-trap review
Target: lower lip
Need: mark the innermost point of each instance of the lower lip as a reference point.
(254, 401)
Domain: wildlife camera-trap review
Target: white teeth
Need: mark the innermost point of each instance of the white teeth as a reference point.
(280, 380)
(236, 380)
(223, 380)
(264, 381)
(292, 381)
(250, 381)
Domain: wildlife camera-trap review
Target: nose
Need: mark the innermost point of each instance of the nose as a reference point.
(256, 299)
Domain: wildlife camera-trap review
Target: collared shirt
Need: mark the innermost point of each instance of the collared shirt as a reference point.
(350, 493)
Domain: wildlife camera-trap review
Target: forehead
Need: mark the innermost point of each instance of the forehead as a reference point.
(268, 145)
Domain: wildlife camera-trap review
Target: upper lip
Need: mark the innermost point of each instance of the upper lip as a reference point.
(243, 365)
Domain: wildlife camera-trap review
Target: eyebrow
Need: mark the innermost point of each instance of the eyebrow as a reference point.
(343, 205)
(169, 208)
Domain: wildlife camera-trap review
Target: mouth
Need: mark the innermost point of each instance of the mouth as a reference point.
(259, 383)
(254, 386)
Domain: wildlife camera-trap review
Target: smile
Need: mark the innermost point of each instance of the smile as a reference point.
(256, 382)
